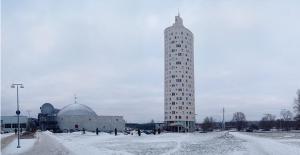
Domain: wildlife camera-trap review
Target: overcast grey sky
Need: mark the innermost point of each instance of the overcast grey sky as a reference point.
(111, 54)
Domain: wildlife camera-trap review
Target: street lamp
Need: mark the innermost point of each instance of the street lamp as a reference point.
(18, 111)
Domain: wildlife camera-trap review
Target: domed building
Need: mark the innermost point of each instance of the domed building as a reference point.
(47, 117)
(78, 116)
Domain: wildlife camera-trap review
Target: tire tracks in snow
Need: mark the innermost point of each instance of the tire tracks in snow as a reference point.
(265, 146)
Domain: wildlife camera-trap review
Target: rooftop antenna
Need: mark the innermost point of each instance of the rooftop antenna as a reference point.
(178, 13)
(75, 99)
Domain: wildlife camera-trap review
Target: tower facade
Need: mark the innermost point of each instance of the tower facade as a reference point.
(179, 95)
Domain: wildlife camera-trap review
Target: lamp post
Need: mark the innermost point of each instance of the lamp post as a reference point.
(18, 111)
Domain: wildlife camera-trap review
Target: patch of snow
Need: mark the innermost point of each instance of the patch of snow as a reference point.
(260, 146)
(6, 135)
(26, 144)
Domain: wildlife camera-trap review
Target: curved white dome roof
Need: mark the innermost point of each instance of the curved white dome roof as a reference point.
(76, 109)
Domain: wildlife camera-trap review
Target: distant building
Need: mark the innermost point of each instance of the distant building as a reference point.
(47, 117)
(74, 117)
(179, 92)
(10, 123)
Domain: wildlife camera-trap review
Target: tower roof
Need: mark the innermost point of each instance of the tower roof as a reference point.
(178, 20)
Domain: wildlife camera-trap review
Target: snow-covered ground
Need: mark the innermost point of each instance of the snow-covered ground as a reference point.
(167, 143)
(26, 145)
(6, 135)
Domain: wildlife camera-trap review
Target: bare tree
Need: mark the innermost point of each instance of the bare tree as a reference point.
(267, 122)
(297, 103)
(239, 119)
(208, 124)
(286, 115)
(286, 118)
(297, 109)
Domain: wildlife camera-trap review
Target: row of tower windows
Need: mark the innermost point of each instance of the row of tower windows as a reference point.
(173, 67)
(175, 50)
(173, 94)
(176, 112)
(175, 71)
(178, 37)
(172, 85)
(180, 98)
(182, 103)
(180, 108)
(179, 117)
(175, 85)
(178, 45)
(182, 42)
(173, 76)
(182, 67)
(179, 62)
(179, 80)
(176, 33)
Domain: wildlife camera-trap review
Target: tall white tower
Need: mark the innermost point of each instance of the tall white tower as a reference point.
(179, 78)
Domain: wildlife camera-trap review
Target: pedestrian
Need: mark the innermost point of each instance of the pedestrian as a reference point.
(139, 132)
(97, 131)
(116, 132)
(154, 131)
(16, 131)
(158, 131)
(83, 131)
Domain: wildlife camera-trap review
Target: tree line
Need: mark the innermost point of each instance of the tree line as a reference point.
(286, 121)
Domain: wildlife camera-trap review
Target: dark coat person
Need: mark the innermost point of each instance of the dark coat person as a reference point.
(139, 132)
(97, 131)
(116, 131)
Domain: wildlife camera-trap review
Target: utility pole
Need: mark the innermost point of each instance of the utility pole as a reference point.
(223, 121)
(18, 110)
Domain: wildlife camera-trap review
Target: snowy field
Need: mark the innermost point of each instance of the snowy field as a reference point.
(167, 143)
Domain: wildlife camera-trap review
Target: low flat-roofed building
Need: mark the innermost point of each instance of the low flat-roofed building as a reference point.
(10, 123)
